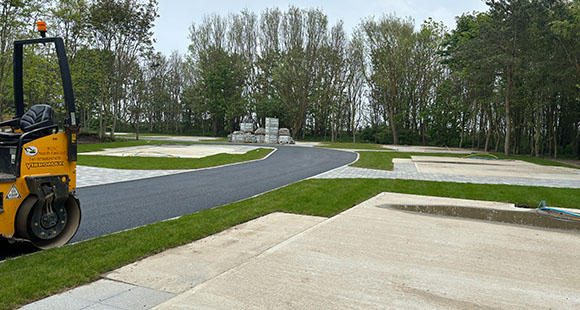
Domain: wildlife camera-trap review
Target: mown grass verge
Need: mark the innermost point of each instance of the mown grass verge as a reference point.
(384, 160)
(45, 273)
(347, 145)
(163, 163)
(96, 147)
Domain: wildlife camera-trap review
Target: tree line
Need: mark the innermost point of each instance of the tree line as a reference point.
(507, 79)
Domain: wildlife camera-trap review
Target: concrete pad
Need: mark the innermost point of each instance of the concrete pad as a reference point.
(182, 268)
(492, 168)
(175, 150)
(375, 258)
(310, 144)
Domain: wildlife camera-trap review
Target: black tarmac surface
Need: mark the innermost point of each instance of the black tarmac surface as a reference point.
(119, 206)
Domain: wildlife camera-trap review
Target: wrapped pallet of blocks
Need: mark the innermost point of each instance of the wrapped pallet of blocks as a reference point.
(271, 130)
(247, 127)
(260, 135)
(284, 136)
(238, 136)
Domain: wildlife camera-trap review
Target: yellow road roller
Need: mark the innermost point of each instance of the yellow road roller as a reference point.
(38, 162)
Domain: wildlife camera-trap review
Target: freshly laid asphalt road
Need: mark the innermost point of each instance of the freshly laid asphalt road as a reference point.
(119, 206)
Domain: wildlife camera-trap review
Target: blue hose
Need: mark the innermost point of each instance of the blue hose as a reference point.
(542, 206)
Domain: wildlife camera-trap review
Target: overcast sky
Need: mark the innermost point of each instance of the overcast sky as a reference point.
(172, 26)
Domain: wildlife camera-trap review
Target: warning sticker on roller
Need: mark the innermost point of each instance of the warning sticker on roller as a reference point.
(13, 193)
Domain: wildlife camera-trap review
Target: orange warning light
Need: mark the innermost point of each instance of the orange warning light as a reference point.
(41, 28)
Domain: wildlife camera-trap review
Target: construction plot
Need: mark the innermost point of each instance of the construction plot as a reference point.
(491, 168)
(375, 258)
(372, 256)
(175, 150)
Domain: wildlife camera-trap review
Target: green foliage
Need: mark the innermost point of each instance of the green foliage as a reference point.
(515, 69)
(505, 79)
(221, 79)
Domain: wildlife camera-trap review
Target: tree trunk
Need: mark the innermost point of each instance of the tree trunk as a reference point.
(487, 134)
(393, 125)
(507, 112)
(462, 130)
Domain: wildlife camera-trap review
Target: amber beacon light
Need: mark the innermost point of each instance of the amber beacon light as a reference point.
(41, 26)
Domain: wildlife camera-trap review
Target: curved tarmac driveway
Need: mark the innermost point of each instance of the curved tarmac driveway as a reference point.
(119, 206)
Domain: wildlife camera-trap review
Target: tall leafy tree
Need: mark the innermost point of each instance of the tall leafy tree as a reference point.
(123, 28)
(391, 41)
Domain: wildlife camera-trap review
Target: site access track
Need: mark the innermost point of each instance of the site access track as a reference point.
(119, 206)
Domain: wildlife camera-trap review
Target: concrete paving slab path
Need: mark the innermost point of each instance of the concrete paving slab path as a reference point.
(368, 257)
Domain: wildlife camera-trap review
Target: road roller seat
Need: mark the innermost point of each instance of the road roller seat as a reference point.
(38, 121)
(38, 116)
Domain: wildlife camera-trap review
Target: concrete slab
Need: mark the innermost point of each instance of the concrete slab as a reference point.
(182, 268)
(309, 144)
(175, 150)
(374, 258)
(492, 168)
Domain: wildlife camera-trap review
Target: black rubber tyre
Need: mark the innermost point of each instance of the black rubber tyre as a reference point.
(48, 231)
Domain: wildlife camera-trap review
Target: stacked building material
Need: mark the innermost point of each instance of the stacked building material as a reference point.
(236, 136)
(247, 127)
(284, 136)
(260, 135)
(271, 130)
(249, 137)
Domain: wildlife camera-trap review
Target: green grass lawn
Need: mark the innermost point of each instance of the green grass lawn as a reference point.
(163, 163)
(38, 275)
(384, 160)
(158, 162)
(95, 147)
(347, 145)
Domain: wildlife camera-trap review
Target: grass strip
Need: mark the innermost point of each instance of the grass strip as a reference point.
(38, 275)
(350, 145)
(96, 147)
(384, 160)
(162, 163)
